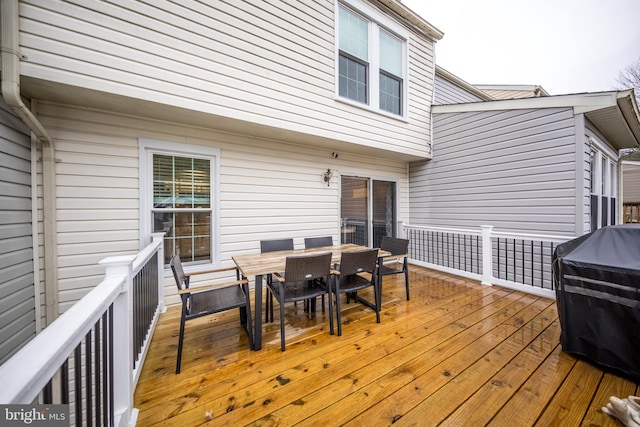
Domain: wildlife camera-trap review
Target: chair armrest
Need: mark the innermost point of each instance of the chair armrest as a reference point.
(394, 256)
(216, 270)
(335, 272)
(210, 287)
(278, 277)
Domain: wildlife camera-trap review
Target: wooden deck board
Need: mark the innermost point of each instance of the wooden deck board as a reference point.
(458, 353)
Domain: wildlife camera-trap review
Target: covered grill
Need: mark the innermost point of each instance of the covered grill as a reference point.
(597, 280)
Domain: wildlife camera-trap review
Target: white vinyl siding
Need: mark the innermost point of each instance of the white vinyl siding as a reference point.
(514, 170)
(269, 63)
(631, 182)
(268, 189)
(449, 93)
(17, 291)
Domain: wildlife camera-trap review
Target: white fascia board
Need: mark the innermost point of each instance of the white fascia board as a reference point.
(581, 103)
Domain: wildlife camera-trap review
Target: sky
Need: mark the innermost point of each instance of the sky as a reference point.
(565, 46)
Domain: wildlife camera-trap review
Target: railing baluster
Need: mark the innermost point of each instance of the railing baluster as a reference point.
(98, 371)
(77, 359)
(88, 379)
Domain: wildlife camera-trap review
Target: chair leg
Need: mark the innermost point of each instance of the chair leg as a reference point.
(271, 307)
(180, 340)
(331, 331)
(281, 302)
(377, 294)
(338, 312)
(248, 325)
(406, 277)
(267, 294)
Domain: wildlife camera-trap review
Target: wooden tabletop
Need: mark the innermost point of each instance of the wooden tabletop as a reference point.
(273, 262)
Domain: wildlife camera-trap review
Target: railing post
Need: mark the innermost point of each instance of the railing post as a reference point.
(487, 255)
(159, 237)
(121, 266)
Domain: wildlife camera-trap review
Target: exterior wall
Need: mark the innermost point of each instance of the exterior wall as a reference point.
(268, 189)
(448, 93)
(268, 63)
(513, 169)
(17, 292)
(631, 182)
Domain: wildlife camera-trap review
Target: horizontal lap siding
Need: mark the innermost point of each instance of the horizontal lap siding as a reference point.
(263, 61)
(17, 291)
(448, 93)
(268, 189)
(631, 182)
(514, 170)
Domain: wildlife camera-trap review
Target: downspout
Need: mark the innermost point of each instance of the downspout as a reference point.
(11, 57)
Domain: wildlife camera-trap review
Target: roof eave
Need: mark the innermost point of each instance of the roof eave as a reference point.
(412, 18)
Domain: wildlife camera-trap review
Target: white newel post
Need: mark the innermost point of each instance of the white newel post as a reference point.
(159, 237)
(121, 266)
(487, 255)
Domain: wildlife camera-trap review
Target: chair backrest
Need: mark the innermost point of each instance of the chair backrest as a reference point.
(178, 272)
(358, 262)
(318, 242)
(299, 269)
(394, 245)
(276, 245)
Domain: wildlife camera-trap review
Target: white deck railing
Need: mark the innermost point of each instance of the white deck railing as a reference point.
(514, 260)
(90, 357)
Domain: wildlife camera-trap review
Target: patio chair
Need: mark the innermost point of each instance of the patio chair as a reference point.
(399, 248)
(204, 300)
(273, 246)
(299, 284)
(318, 242)
(357, 271)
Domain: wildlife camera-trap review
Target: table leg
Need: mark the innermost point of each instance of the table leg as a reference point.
(257, 328)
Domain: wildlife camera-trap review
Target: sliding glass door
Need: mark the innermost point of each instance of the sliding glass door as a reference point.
(368, 210)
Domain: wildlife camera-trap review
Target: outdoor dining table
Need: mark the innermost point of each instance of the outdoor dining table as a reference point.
(259, 265)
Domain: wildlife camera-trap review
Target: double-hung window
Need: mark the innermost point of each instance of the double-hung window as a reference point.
(179, 198)
(372, 59)
(603, 185)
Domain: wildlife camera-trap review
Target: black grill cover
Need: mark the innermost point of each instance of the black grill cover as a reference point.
(597, 279)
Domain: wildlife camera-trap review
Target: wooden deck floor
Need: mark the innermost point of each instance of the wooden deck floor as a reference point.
(458, 353)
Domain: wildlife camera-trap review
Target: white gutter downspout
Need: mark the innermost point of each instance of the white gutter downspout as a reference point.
(11, 94)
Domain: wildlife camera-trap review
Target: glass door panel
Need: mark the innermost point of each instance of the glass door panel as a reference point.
(354, 209)
(384, 211)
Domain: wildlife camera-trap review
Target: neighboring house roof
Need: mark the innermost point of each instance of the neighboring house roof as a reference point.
(614, 114)
(463, 84)
(513, 91)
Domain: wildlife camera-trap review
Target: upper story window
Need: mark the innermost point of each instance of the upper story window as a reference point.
(179, 196)
(371, 58)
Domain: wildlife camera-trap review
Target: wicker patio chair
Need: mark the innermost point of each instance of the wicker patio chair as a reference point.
(299, 284)
(318, 242)
(357, 271)
(399, 248)
(272, 246)
(204, 300)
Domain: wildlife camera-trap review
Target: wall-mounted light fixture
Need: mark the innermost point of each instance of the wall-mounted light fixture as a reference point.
(326, 177)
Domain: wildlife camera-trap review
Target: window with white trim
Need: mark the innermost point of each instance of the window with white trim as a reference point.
(180, 199)
(603, 187)
(371, 58)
